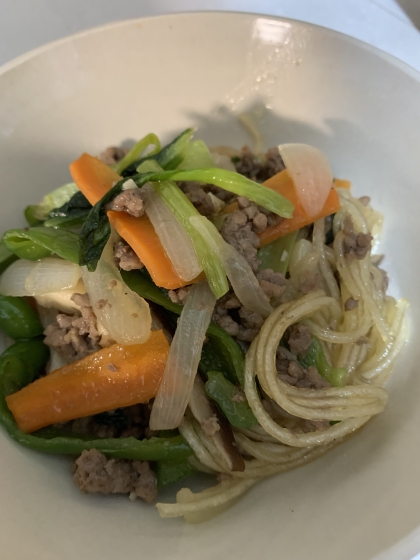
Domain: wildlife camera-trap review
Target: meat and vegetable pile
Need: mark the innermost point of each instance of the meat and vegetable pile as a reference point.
(181, 309)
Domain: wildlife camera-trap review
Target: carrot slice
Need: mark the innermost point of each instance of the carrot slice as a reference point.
(283, 184)
(94, 178)
(114, 377)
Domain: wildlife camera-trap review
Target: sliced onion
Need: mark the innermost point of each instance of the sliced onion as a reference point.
(123, 313)
(184, 355)
(175, 240)
(243, 280)
(311, 174)
(33, 278)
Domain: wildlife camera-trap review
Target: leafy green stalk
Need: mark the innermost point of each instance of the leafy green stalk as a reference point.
(39, 242)
(228, 180)
(196, 156)
(136, 151)
(224, 393)
(316, 357)
(220, 352)
(169, 157)
(276, 255)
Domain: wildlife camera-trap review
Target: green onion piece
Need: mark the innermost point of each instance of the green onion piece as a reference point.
(228, 180)
(136, 151)
(182, 209)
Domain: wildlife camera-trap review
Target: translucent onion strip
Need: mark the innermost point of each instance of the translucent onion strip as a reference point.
(123, 313)
(311, 174)
(175, 240)
(185, 353)
(243, 280)
(33, 278)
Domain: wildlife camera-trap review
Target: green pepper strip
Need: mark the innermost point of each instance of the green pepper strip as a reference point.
(222, 392)
(19, 365)
(18, 319)
(219, 353)
(168, 472)
(316, 357)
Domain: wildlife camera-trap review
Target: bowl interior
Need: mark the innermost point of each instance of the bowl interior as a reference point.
(114, 85)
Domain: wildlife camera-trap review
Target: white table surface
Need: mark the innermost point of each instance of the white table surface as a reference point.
(386, 24)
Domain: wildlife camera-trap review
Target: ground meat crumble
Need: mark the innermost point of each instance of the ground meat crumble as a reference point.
(112, 155)
(94, 473)
(129, 201)
(356, 245)
(125, 258)
(74, 336)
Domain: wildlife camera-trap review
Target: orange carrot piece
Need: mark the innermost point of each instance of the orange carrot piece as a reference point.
(283, 184)
(143, 239)
(342, 184)
(94, 178)
(114, 377)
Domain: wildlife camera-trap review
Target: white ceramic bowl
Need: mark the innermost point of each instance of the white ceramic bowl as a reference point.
(163, 74)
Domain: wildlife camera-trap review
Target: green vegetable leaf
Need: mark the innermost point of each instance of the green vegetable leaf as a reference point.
(54, 199)
(72, 213)
(6, 257)
(39, 242)
(169, 157)
(96, 230)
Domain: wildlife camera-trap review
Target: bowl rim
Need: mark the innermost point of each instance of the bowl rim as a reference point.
(407, 548)
(33, 53)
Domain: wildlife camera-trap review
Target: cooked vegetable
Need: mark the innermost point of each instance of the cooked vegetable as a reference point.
(168, 472)
(219, 352)
(134, 154)
(19, 365)
(224, 394)
(243, 280)
(175, 240)
(311, 174)
(96, 181)
(169, 157)
(111, 378)
(54, 199)
(184, 355)
(283, 183)
(6, 257)
(39, 242)
(28, 278)
(196, 156)
(228, 180)
(183, 210)
(316, 357)
(220, 432)
(276, 255)
(18, 319)
(72, 213)
(123, 313)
